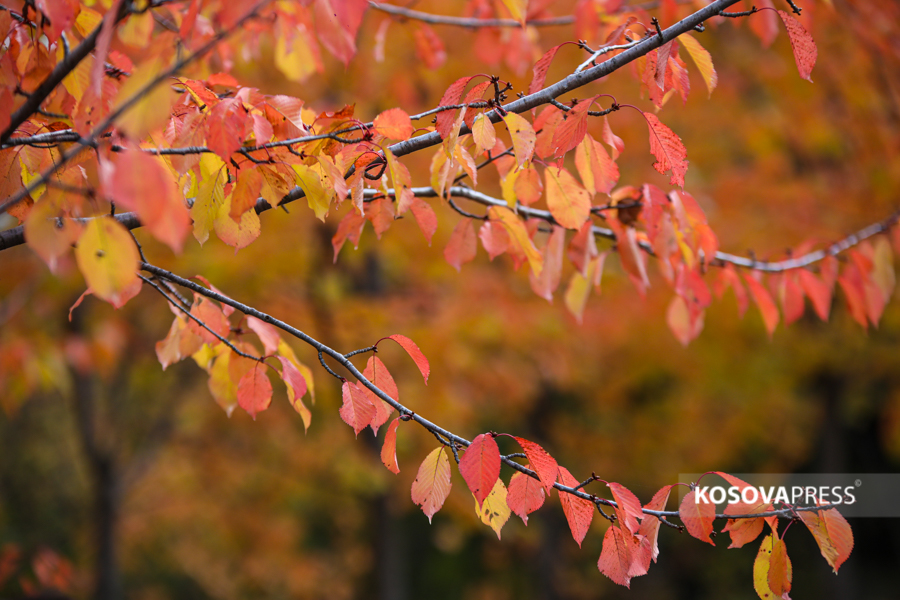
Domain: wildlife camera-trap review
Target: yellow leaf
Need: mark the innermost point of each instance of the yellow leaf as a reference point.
(49, 237)
(483, 133)
(702, 59)
(523, 137)
(569, 203)
(518, 235)
(210, 195)
(494, 512)
(318, 198)
(296, 61)
(517, 9)
(152, 111)
(108, 259)
(238, 235)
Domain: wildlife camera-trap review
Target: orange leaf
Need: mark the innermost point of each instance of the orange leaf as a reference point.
(49, 231)
(517, 9)
(678, 318)
(524, 495)
(414, 353)
(543, 464)
(480, 466)
(615, 143)
(350, 228)
(579, 512)
(569, 203)
(394, 123)
(802, 44)
(389, 449)
(212, 316)
(494, 238)
(668, 149)
(764, 301)
(254, 391)
(226, 123)
(597, 171)
(357, 411)
(763, 568)
(461, 247)
(780, 571)
(546, 283)
(379, 375)
(698, 516)
(518, 235)
(432, 484)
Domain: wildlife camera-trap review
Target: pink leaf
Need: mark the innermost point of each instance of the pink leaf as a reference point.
(254, 391)
(668, 149)
(414, 353)
(804, 47)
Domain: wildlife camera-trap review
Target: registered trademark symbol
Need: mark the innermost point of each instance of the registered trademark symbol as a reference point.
(858, 482)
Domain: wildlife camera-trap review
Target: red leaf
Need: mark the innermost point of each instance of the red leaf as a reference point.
(61, 15)
(573, 129)
(336, 24)
(429, 46)
(668, 149)
(226, 127)
(633, 260)
(615, 143)
(764, 301)
(840, 534)
(698, 516)
(425, 217)
(394, 123)
(650, 527)
(546, 283)
(540, 69)
(350, 228)
(379, 375)
(583, 248)
(579, 512)
(254, 391)
(268, 334)
(357, 411)
(389, 449)
(381, 213)
(802, 44)
(791, 298)
(451, 97)
(414, 353)
(851, 281)
(617, 559)
(494, 238)
(432, 484)
(296, 388)
(462, 246)
(628, 504)
(524, 495)
(543, 464)
(728, 277)
(212, 316)
(480, 466)
(743, 531)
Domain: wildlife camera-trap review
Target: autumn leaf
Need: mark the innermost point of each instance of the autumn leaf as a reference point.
(483, 133)
(523, 137)
(615, 143)
(772, 571)
(379, 375)
(254, 391)
(425, 217)
(108, 260)
(598, 172)
(394, 123)
(480, 466)
(518, 235)
(628, 504)
(414, 353)
(268, 334)
(524, 495)
(697, 516)
(832, 534)
(540, 69)
(617, 559)
(296, 389)
(579, 512)
(432, 484)
(764, 301)
(702, 59)
(389, 448)
(357, 410)
(462, 245)
(649, 529)
(543, 464)
(227, 123)
(49, 231)
(494, 511)
(668, 149)
(517, 9)
(805, 51)
(569, 203)
(429, 46)
(452, 96)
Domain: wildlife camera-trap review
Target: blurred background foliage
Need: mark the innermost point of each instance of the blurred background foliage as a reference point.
(116, 472)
